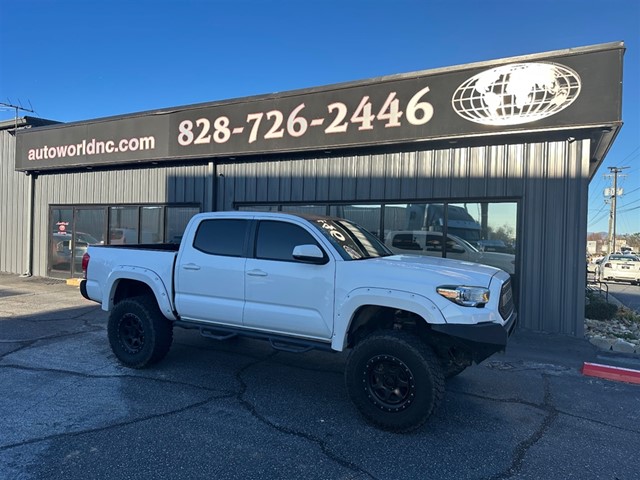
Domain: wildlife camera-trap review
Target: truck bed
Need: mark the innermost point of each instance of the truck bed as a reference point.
(167, 247)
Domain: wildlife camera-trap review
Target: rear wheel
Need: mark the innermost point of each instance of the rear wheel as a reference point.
(395, 380)
(139, 334)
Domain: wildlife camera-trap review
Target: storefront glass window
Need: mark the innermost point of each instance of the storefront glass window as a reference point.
(123, 225)
(73, 228)
(479, 232)
(367, 216)
(475, 232)
(177, 219)
(259, 208)
(305, 209)
(151, 224)
(89, 229)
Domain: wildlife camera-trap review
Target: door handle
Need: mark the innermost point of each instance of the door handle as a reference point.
(257, 273)
(191, 266)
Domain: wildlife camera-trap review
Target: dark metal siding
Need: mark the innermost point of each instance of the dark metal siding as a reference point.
(14, 191)
(549, 180)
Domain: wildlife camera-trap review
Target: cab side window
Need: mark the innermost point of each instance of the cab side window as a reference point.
(221, 237)
(276, 240)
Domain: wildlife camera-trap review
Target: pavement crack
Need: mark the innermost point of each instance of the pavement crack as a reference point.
(99, 376)
(523, 447)
(51, 337)
(28, 343)
(542, 407)
(599, 422)
(118, 424)
(498, 400)
(324, 447)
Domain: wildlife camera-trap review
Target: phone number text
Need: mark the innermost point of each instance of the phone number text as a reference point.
(274, 124)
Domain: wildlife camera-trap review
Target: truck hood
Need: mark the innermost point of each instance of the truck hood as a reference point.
(409, 270)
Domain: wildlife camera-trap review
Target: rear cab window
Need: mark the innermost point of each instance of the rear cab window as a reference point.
(224, 237)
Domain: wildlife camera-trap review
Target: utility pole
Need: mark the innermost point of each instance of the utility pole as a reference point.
(612, 194)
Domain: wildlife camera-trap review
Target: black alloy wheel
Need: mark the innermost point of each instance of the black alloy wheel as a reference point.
(131, 333)
(390, 383)
(394, 379)
(138, 333)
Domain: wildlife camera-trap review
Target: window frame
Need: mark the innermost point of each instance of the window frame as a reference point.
(256, 236)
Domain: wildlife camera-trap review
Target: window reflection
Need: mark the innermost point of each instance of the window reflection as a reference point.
(480, 232)
(258, 208)
(73, 228)
(151, 224)
(123, 225)
(475, 232)
(177, 219)
(308, 209)
(367, 216)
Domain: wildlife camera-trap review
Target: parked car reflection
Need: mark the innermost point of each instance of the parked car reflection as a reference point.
(430, 243)
(61, 248)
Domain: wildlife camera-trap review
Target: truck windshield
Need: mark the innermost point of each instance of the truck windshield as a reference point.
(352, 241)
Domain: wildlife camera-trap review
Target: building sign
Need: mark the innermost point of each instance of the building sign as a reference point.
(517, 93)
(554, 91)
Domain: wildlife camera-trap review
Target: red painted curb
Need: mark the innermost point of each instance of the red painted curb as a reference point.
(611, 373)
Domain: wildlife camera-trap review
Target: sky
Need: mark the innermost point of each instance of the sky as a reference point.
(84, 59)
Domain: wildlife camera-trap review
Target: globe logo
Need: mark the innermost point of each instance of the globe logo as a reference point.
(516, 94)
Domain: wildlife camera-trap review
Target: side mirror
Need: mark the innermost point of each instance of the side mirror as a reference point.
(309, 254)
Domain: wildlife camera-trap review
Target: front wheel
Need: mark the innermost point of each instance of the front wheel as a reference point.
(139, 334)
(394, 380)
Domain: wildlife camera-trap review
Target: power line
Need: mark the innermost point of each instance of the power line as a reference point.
(631, 203)
(631, 154)
(629, 209)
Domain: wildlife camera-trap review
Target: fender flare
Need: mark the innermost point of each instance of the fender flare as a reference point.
(142, 275)
(383, 297)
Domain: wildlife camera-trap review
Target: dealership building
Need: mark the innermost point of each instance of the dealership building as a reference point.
(487, 162)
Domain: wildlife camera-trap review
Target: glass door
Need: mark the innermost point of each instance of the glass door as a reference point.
(59, 241)
(71, 231)
(89, 228)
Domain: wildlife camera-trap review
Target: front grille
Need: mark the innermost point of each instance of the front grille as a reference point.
(506, 300)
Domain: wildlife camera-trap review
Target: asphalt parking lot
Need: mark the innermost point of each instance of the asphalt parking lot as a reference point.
(239, 410)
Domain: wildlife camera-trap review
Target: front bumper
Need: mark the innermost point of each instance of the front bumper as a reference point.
(481, 340)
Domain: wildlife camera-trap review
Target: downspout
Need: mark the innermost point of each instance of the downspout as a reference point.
(30, 222)
(213, 187)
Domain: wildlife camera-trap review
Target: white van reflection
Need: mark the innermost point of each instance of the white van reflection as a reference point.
(420, 242)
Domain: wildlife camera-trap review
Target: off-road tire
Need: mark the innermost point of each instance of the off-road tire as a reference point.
(139, 334)
(395, 380)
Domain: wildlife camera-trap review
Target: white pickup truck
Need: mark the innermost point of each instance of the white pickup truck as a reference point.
(304, 282)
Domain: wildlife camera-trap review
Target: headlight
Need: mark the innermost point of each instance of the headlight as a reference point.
(465, 296)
